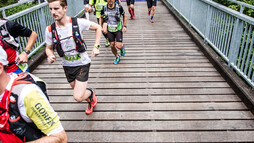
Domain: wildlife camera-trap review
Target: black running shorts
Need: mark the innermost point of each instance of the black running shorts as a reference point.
(115, 36)
(151, 3)
(79, 73)
(129, 2)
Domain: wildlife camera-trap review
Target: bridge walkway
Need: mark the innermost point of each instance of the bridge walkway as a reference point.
(163, 90)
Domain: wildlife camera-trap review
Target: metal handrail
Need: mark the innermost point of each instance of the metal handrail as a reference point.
(13, 5)
(230, 33)
(242, 4)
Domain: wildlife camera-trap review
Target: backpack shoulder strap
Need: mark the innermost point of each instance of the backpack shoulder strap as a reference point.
(118, 8)
(106, 8)
(52, 29)
(80, 44)
(56, 40)
(4, 106)
(5, 46)
(27, 78)
(23, 78)
(75, 27)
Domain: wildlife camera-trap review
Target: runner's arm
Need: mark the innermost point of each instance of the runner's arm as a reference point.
(124, 23)
(23, 57)
(55, 138)
(49, 45)
(124, 15)
(103, 25)
(97, 29)
(50, 53)
(15, 29)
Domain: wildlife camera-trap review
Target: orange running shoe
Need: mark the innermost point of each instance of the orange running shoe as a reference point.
(93, 98)
(89, 109)
(92, 103)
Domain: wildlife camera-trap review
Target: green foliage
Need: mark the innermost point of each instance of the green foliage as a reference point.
(15, 9)
(4, 3)
(19, 8)
(247, 11)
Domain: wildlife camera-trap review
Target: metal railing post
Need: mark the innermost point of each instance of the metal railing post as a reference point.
(237, 42)
(3, 13)
(233, 43)
(43, 22)
(208, 23)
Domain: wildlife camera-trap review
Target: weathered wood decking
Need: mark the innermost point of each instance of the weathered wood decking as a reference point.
(163, 90)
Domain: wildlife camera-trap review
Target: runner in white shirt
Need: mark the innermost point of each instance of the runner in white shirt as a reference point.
(76, 64)
(68, 45)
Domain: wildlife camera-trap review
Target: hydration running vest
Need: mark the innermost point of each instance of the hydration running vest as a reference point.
(5, 35)
(113, 18)
(12, 125)
(80, 44)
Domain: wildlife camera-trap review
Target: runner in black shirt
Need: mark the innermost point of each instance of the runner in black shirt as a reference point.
(111, 14)
(9, 32)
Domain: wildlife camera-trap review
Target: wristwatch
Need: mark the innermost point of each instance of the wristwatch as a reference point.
(27, 51)
(97, 46)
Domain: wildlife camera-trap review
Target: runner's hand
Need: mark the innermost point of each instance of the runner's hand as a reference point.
(95, 52)
(51, 59)
(90, 9)
(22, 58)
(124, 29)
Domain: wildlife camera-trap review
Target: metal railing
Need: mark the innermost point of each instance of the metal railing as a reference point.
(242, 5)
(230, 33)
(13, 5)
(37, 18)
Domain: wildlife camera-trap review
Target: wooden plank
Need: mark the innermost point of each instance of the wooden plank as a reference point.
(61, 71)
(186, 65)
(153, 99)
(118, 107)
(202, 125)
(110, 60)
(109, 56)
(154, 74)
(139, 80)
(172, 59)
(187, 91)
(158, 115)
(147, 85)
(204, 136)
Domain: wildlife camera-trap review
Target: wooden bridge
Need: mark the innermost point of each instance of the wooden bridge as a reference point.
(164, 90)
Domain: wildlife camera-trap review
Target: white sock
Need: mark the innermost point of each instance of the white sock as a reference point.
(87, 15)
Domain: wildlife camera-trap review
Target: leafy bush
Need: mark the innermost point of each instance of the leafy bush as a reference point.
(15, 9)
(247, 11)
(4, 3)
